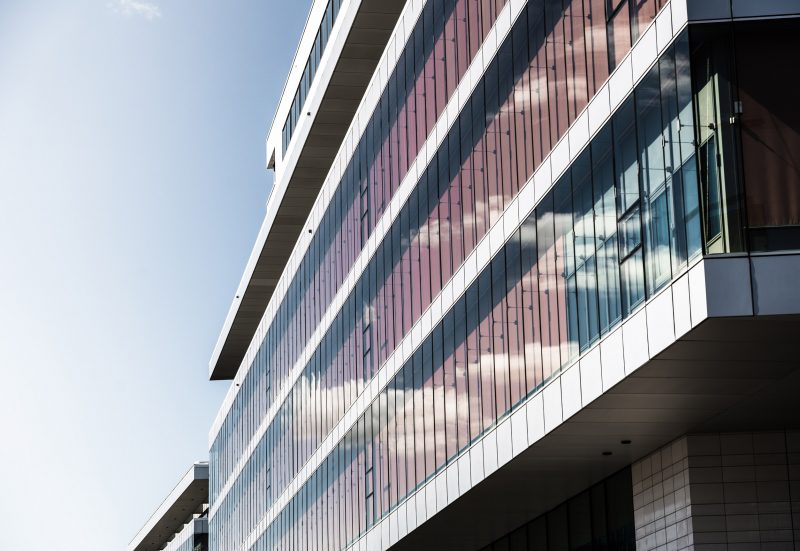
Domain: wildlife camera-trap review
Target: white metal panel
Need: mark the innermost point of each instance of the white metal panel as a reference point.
(402, 521)
(484, 252)
(476, 463)
(660, 322)
(579, 134)
(421, 506)
(680, 15)
(775, 284)
(470, 268)
(612, 356)
(519, 430)
(526, 199)
(591, 376)
(634, 339)
(438, 488)
(534, 411)
(571, 391)
(542, 178)
(559, 158)
(504, 442)
(620, 83)
(452, 482)
(384, 533)
(644, 53)
(496, 237)
(764, 8)
(489, 453)
(394, 528)
(464, 478)
(664, 27)
(599, 109)
(511, 219)
(681, 305)
(429, 491)
(552, 405)
(728, 290)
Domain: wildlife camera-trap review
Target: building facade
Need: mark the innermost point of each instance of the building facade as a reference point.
(527, 280)
(180, 523)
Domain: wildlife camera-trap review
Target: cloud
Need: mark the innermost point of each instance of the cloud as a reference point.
(140, 8)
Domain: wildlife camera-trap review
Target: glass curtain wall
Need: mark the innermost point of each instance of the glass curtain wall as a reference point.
(518, 110)
(590, 253)
(506, 150)
(446, 38)
(393, 136)
(696, 158)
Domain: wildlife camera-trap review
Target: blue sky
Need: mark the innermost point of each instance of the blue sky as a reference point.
(132, 186)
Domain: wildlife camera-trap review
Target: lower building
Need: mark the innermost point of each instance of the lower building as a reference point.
(545, 295)
(702, 491)
(180, 523)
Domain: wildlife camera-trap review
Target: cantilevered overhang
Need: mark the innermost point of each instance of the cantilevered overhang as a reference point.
(301, 170)
(713, 351)
(726, 375)
(185, 500)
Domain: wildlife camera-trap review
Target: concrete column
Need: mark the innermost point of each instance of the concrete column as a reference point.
(715, 492)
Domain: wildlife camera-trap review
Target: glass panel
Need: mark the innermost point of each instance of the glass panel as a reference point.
(610, 307)
(440, 434)
(518, 540)
(450, 431)
(487, 378)
(515, 320)
(580, 522)
(499, 335)
(558, 529)
(565, 270)
(627, 170)
(770, 131)
(461, 374)
(473, 364)
(547, 288)
(530, 304)
(409, 391)
(597, 43)
(537, 534)
(619, 513)
(686, 138)
(720, 184)
(585, 252)
(619, 33)
(655, 185)
(712, 205)
(644, 11)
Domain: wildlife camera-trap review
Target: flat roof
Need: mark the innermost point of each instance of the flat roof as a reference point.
(303, 173)
(185, 500)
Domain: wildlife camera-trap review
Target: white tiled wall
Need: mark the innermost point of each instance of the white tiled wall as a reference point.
(728, 491)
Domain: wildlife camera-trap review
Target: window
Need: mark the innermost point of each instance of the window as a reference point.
(619, 31)
(628, 207)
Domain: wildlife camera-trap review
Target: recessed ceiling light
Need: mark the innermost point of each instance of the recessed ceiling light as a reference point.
(606, 453)
(624, 441)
